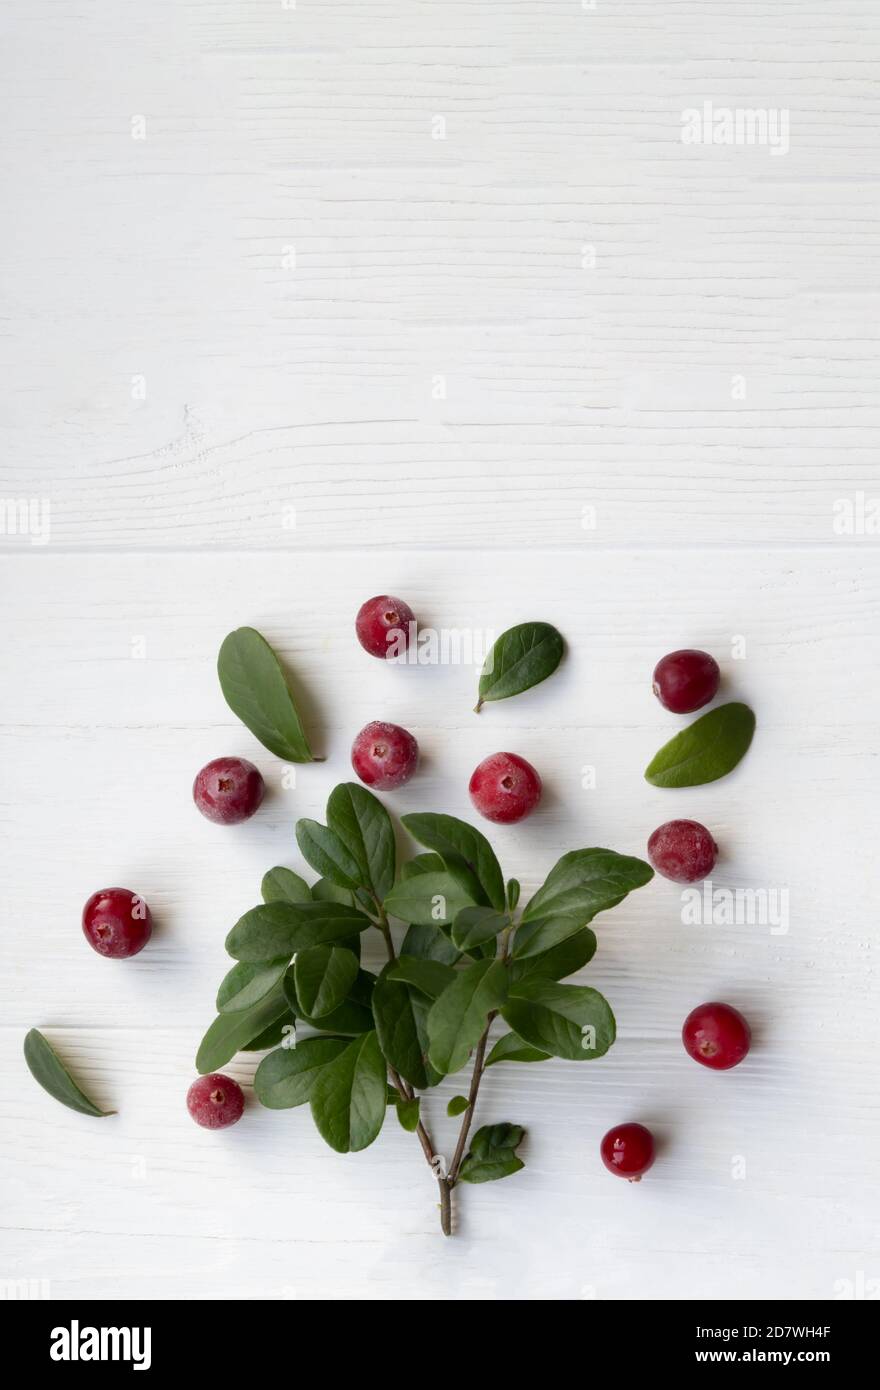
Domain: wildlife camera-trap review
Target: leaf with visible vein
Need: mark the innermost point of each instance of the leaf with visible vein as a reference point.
(523, 656)
(256, 689)
(48, 1070)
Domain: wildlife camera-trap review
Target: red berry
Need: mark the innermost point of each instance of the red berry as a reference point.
(116, 923)
(504, 788)
(628, 1151)
(228, 790)
(215, 1101)
(716, 1035)
(682, 850)
(686, 680)
(384, 755)
(385, 626)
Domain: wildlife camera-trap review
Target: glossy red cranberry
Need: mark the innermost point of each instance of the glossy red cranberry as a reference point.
(505, 788)
(384, 755)
(716, 1035)
(116, 923)
(686, 680)
(628, 1151)
(682, 850)
(215, 1101)
(385, 626)
(228, 790)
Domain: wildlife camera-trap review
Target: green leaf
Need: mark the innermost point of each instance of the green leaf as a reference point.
(451, 839)
(559, 961)
(429, 900)
(457, 1106)
(408, 1113)
(513, 892)
(285, 1078)
(348, 1097)
(459, 1016)
(523, 656)
(474, 926)
(281, 929)
(276, 1033)
(429, 976)
(231, 1033)
(580, 885)
(323, 977)
(322, 848)
(255, 688)
(429, 943)
(353, 1016)
(492, 1154)
(48, 1070)
(568, 1021)
(364, 827)
(422, 864)
(512, 1048)
(400, 1015)
(704, 751)
(245, 985)
(324, 890)
(284, 886)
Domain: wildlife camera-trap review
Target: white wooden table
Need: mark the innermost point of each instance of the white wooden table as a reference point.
(271, 345)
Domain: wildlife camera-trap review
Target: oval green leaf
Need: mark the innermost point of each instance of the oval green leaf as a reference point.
(246, 984)
(231, 1033)
(408, 1113)
(285, 1078)
(581, 884)
(459, 1016)
(522, 657)
(348, 1097)
(455, 839)
(474, 926)
(323, 976)
(429, 900)
(255, 688)
(364, 826)
(704, 751)
(512, 1048)
(281, 929)
(282, 885)
(493, 1154)
(322, 848)
(401, 1023)
(48, 1070)
(568, 1021)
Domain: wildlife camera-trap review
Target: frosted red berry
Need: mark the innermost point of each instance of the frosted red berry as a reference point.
(215, 1101)
(384, 755)
(686, 680)
(628, 1151)
(116, 923)
(505, 788)
(385, 626)
(228, 790)
(716, 1035)
(682, 850)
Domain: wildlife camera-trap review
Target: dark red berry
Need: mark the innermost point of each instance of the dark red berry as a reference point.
(215, 1101)
(504, 788)
(116, 923)
(686, 680)
(628, 1151)
(716, 1035)
(682, 850)
(384, 755)
(228, 790)
(385, 626)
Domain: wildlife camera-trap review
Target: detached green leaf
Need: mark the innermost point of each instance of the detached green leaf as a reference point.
(245, 985)
(459, 1016)
(704, 751)
(348, 1097)
(523, 656)
(285, 1078)
(492, 1154)
(323, 976)
(364, 827)
(429, 976)
(255, 688)
(457, 1106)
(281, 929)
(429, 900)
(284, 886)
(231, 1033)
(580, 885)
(408, 1113)
(474, 926)
(455, 839)
(48, 1070)
(568, 1021)
(323, 849)
(512, 1048)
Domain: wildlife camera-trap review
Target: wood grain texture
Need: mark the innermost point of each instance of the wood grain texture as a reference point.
(305, 304)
